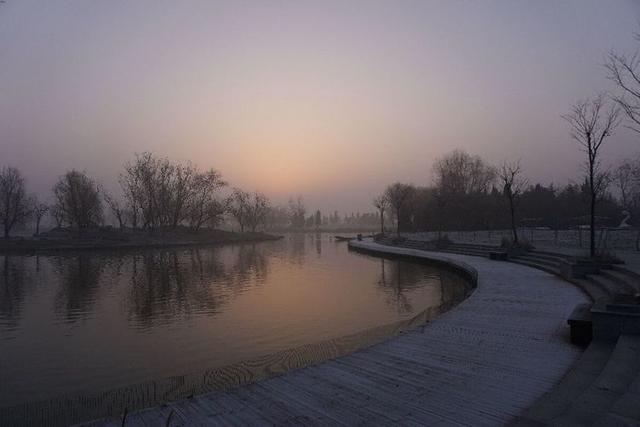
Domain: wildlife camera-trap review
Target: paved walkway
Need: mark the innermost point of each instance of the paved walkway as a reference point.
(482, 363)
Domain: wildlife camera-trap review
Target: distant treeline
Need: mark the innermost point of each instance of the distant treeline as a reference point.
(470, 194)
(295, 216)
(156, 193)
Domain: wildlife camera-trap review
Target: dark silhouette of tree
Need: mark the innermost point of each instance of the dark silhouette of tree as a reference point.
(182, 188)
(205, 207)
(398, 195)
(78, 201)
(162, 193)
(624, 178)
(15, 205)
(382, 204)
(461, 173)
(258, 208)
(590, 126)
(460, 180)
(513, 184)
(116, 208)
(297, 212)
(40, 209)
(131, 183)
(624, 71)
(239, 207)
(56, 214)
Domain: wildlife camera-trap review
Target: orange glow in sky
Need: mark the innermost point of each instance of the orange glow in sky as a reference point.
(328, 100)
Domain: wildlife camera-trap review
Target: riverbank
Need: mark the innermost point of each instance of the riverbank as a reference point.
(109, 238)
(482, 363)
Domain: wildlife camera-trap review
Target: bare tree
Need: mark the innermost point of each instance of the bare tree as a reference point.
(116, 208)
(513, 184)
(624, 178)
(182, 189)
(258, 208)
(15, 206)
(130, 183)
(458, 172)
(382, 204)
(57, 215)
(624, 71)
(40, 209)
(205, 207)
(77, 199)
(139, 189)
(239, 207)
(398, 195)
(297, 212)
(164, 193)
(460, 179)
(590, 126)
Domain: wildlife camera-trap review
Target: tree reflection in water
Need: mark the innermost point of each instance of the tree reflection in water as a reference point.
(297, 248)
(79, 277)
(397, 279)
(171, 284)
(318, 240)
(251, 265)
(13, 282)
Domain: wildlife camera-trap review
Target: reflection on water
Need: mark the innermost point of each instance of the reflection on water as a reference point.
(92, 322)
(396, 279)
(13, 287)
(79, 278)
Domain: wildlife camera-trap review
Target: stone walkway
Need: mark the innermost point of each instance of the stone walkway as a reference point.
(482, 363)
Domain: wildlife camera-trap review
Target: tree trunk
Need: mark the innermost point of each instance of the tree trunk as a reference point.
(37, 226)
(381, 221)
(513, 221)
(398, 225)
(592, 212)
(592, 223)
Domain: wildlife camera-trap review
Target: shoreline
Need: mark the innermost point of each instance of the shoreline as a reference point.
(119, 240)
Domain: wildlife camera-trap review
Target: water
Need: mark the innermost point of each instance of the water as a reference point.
(82, 324)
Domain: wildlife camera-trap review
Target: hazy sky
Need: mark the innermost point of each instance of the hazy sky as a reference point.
(330, 100)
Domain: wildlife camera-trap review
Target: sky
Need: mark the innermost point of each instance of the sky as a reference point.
(330, 100)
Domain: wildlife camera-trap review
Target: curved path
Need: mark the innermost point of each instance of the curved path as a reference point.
(482, 363)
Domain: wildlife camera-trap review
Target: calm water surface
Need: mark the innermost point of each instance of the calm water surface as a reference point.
(90, 322)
